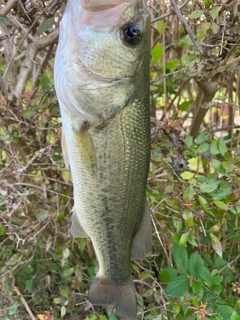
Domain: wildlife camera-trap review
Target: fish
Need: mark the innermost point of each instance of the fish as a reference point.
(101, 77)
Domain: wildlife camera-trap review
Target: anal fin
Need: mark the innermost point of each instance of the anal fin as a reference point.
(142, 241)
(76, 227)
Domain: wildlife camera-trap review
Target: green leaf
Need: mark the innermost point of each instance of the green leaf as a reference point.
(180, 257)
(221, 68)
(202, 137)
(214, 13)
(188, 194)
(221, 204)
(177, 286)
(92, 317)
(214, 27)
(227, 166)
(28, 285)
(217, 280)
(214, 228)
(57, 300)
(189, 140)
(157, 52)
(2, 230)
(209, 186)
(222, 147)
(66, 253)
(47, 25)
(68, 272)
(173, 64)
(220, 263)
(91, 271)
(144, 275)
(225, 312)
(3, 19)
(112, 317)
(16, 258)
(101, 317)
(235, 316)
(195, 261)
(203, 148)
(197, 287)
(27, 113)
(64, 293)
(63, 311)
(183, 239)
(202, 201)
(184, 106)
(195, 14)
(187, 215)
(13, 309)
(204, 274)
(214, 148)
(5, 137)
(191, 239)
(216, 244)
(207, 3)
(177, 224)
(167, 274)
(216, 164)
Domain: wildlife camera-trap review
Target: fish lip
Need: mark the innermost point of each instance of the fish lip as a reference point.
(106, 82)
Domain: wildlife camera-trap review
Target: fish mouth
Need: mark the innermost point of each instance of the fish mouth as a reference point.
(102, 82)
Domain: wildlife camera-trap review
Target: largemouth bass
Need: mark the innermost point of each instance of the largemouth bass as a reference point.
(102, 85)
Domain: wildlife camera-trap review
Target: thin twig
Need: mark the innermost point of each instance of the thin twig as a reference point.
(229, 264)
(7, 7)
(24, 302)
(40, 153)
(186, 26)
(160, 240)
(167, 14)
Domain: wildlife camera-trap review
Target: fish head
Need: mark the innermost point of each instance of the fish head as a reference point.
(104, 47)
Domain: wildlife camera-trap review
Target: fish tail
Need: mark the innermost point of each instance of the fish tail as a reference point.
(121, 295)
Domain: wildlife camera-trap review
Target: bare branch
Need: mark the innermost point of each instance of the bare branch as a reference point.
(167, 14)
(7, 7)
(186, 26)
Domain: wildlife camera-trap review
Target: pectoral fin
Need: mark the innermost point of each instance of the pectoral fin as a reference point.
(84, 147)
(64, 150)
(76, 228)
(142, 241)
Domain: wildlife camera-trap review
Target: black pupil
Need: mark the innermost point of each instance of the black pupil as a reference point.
(132, 33)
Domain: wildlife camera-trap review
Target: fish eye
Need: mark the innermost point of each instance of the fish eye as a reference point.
(132, 33)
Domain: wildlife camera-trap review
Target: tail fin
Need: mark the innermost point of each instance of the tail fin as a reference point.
(121, 295)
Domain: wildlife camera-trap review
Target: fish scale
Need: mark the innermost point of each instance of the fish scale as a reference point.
(102, 85)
